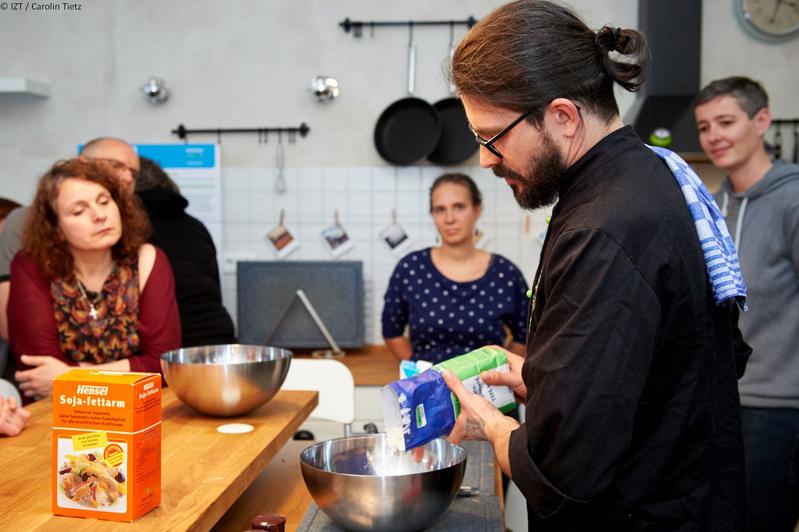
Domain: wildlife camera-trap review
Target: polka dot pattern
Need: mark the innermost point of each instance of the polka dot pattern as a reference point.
(448, 318)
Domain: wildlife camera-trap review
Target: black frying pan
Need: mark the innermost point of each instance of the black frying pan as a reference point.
(409, 129)
(456, 143)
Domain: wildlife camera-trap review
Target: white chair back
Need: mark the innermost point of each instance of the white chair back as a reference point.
(333, 380)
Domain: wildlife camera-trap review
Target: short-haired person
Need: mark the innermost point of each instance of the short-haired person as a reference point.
(6, 206)
(632, 418)
(760, 201)
(6, 369)
(87, 289)
(455, 297)
(192, 255)
(114, 152)
(12, 416)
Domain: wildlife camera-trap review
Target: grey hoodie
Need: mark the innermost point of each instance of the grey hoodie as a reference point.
(764, 222)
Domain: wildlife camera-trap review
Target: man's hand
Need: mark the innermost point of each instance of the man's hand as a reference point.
(512, 379)
(12, 417)
(38, 381)
(480, 420)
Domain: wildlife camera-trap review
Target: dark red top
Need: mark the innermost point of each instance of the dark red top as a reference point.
(32, 327)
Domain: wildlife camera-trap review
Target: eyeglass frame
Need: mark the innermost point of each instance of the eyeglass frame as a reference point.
(489, 144)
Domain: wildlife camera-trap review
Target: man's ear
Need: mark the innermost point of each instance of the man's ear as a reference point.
(762, 120)
(564, 115)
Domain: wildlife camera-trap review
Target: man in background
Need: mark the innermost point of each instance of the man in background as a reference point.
(760, 201)
(192, 255)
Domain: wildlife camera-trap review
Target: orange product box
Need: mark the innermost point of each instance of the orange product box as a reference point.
(106, 444)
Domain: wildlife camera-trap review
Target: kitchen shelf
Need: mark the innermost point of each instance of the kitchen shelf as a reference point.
(22, 85)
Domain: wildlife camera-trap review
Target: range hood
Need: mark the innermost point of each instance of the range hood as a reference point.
(673, 32)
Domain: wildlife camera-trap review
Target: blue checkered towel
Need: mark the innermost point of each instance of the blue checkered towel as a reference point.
(721, 259)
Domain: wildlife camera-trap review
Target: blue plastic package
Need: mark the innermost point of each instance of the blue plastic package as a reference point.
(425, 409)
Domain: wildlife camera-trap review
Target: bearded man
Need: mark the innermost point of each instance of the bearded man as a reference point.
(630, 379)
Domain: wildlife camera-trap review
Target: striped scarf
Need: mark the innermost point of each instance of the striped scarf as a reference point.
(721, 259)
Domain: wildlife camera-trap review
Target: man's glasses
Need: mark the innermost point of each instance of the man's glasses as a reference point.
(489, 144)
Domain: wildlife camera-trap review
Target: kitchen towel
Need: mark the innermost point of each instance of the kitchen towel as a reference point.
(721, 259)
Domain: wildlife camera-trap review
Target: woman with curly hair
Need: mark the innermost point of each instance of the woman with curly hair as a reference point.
(88, 290)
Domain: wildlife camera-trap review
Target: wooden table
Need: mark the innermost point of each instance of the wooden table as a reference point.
(278, 489)
(371, 365)
(202, 471)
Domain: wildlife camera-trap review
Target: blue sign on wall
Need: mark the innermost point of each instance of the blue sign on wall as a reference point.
(177, 155)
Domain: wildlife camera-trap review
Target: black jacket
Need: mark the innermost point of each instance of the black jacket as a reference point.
(192, 255)
(632, 417)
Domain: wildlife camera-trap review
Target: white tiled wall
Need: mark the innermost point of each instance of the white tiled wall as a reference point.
(364, 198)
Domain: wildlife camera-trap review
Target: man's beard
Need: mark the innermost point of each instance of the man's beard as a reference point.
(540, 186)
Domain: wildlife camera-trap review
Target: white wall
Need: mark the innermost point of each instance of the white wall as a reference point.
(364, 197)
(242, 63)
(247, 63)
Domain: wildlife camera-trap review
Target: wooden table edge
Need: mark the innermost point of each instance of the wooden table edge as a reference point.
(217, 509)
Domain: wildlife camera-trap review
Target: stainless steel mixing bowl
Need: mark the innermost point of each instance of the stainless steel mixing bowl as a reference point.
(363, 484)
(226, 380)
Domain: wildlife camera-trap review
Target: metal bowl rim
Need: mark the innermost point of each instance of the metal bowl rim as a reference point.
(303, 463)
(167, 356)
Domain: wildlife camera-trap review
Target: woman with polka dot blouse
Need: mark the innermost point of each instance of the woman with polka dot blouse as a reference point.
(454, 298)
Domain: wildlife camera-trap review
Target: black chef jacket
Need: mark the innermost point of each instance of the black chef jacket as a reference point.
(632, 417)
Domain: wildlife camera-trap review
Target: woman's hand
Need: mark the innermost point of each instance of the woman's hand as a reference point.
(400, 346)
(38, 381)
(512, 379)
(12, 417)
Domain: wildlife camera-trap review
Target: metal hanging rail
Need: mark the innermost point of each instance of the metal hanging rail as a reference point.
(263, 132)
(784, 121)
(776, 146)
(357, 25)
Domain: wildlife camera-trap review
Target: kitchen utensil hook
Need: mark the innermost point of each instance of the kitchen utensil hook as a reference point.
(280, 181)
(450, 83)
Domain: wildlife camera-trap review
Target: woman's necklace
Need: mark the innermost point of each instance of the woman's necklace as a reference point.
(92, 310)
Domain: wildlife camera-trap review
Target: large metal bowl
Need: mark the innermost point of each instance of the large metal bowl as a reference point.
(226, 380)
(362, 484)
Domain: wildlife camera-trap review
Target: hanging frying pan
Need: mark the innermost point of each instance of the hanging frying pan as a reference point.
(408, 130)
(456, 143)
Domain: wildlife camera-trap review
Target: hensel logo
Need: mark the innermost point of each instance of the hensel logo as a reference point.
(92, 390)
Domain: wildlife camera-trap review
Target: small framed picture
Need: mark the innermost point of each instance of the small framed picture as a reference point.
(337, 239)
(282, 241)
(395, 237)
(480, 239)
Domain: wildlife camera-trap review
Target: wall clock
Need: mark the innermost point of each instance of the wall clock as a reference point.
(770, 20)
